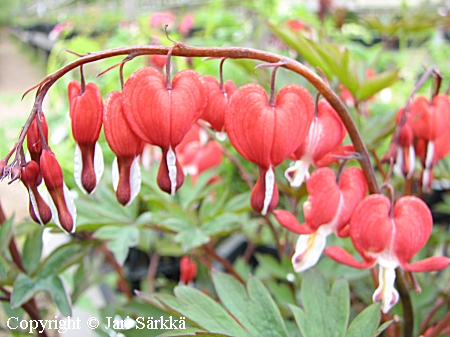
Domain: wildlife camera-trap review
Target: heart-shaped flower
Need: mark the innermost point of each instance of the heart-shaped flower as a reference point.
(325, 135)
(86, 111)
(126, 146)
(389, 237)
(162, 116)
(34, 143)
(328, 210)
(266, 135)
(217, 101)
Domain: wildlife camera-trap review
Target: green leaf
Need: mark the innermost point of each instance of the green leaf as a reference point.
(26, 288)
(222, 224)
(327, 310)
(191, 332)
(233, 296)
(119, 240)
(198, 308)
(267, 310)
(238, 203)
(191, 238)
(32, 250)
(6, 233)
(382, 327)
(377, 83)
(301, 320)
(366, 323)
(62, 257)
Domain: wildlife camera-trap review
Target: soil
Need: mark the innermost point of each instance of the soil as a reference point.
(18, 72)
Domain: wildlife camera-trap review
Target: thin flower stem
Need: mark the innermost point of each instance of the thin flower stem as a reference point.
(426, 322)
(152, 270)
(275, 236)
(444, 322)
(225, 263)
(408, 313)
(229, 52)
(122, 282)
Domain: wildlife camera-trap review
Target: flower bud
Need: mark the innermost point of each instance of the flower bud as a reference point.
(62, 203)
(34, 143)
(38, 208)
(188, 270)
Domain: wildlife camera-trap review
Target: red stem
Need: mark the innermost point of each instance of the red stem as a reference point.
(229, 52)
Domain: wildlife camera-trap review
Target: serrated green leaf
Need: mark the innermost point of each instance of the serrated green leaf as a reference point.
(61, 258)
(222, 224)
(6, 233)
(191, 332)
(324, 308)
(32, 250)
(198, 308)
(26, 288)
(144, 219)
(268, 311)
(238, 203)
(119, 240)
(382, 327)
(191, 238)
(366, 323)
(301, 320)
(234, 298)
(375, 84)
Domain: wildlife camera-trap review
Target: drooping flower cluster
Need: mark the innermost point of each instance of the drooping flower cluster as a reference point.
(423, 134)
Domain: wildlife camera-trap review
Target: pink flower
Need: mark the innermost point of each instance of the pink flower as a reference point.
(325, 135)
(328, 209)
(390, 237)
(267, 134)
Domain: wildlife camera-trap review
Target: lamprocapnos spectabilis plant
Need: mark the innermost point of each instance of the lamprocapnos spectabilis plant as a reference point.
(157, 109)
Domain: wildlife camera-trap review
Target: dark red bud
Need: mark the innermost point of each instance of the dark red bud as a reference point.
(53, 178)
(188, 270)
(163, 178)
(34, 142)
(31, 178)
(258, 197)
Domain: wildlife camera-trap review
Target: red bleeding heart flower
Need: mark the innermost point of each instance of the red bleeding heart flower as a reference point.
(188, 270)
(217, 101)
(34, 143)
(31, 177)
(429, 123)
(126, 146)
(86, 111)
(197, 153)
(325, 135)
(266, 135)
(62, 205)
(162, 115)
(328, 210)
(389, 237)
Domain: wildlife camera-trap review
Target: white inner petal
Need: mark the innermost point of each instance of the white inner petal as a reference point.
(135, 179)
(99, 165)
(398, 166)
(430, 155)
(386, 291)
(412, 162)
(115, 175)
(308, 250)
(35, 206)
(299, 172)
(221, 136)
(268, 192)
(171, 160)
(78, 168)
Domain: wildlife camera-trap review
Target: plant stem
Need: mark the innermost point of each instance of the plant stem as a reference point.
(122, 282)
(152, 270)
(229, 52)
(444, 322)
(227, 265)
(408, 314)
